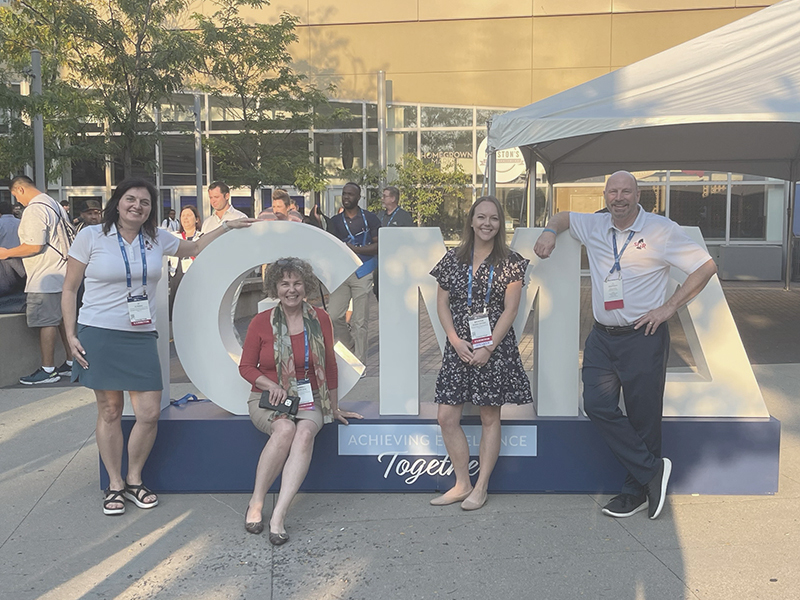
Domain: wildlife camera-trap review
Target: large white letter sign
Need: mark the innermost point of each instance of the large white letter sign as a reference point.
(405, 259)
(723, 383)
(555, 285)
(201, 321)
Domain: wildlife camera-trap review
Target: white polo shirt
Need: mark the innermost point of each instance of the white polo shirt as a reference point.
(212, 222)
(657, 244)
(105, 301)
(44, 223)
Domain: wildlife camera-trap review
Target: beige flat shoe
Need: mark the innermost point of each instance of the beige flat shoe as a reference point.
(470, 504)
(444, 499)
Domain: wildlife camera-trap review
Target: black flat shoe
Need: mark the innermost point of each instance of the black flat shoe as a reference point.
(278, 539)
(254, 527)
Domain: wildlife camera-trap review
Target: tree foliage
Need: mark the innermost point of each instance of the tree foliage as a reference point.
(68, 114)
(248, 71)
(130, 56)
(423, 187)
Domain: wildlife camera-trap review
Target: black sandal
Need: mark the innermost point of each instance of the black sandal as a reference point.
(113, 497)
(137, 494)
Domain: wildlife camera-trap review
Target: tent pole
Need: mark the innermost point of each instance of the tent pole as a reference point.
(790, 229)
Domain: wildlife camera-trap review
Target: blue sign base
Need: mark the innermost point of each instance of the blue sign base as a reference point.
(202, 448)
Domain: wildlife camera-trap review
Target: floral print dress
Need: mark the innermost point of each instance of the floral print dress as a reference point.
(501, 380)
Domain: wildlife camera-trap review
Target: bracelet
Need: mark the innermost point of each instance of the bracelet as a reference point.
(553, 231)
(225, 226)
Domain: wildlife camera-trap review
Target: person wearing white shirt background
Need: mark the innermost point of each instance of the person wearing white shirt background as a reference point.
(171, 223)
(219, 195)
(113, 339)
(45, 233)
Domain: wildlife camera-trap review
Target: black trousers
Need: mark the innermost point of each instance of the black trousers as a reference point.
(637, 365)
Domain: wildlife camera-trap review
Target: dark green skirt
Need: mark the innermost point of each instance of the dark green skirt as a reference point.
(119, 360)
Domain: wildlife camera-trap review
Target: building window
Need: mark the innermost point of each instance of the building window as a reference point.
(703, 206)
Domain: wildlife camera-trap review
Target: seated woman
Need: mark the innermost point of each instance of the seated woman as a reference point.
(302, 364)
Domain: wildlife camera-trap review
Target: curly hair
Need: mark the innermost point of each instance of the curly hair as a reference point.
(289, 266)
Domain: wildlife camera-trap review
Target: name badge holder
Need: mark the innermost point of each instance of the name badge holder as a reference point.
(138, 306)
(369, 265)
(480, 328)
(613, 297)
(304, 385)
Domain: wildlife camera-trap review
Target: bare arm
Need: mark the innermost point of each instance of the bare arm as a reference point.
(69, 309)
(504, 323)
(547, 241)
(193, 248)
(21, 251)
(693, 285)
(462, 347)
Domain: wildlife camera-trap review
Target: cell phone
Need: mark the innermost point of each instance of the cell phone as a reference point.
(289, 406)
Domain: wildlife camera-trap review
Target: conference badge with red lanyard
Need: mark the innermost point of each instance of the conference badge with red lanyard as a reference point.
(612, 286)
(138, 306)
(479, 327)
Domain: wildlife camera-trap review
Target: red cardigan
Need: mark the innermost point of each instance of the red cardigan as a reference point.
(258, 353)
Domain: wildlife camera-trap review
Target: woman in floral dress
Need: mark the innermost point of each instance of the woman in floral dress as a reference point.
(480, 285)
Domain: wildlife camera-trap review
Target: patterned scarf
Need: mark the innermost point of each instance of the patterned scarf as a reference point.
(284, 357)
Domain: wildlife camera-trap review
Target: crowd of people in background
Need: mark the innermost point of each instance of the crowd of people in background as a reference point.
(36, 233)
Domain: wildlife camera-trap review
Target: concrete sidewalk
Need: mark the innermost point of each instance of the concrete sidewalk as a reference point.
(56, 544)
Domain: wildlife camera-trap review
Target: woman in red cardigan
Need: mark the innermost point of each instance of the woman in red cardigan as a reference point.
(302, 365)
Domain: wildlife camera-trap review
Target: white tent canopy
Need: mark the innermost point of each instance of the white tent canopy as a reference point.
(726, 101)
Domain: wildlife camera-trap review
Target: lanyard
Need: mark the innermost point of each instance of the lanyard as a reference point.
(128, 265)
(394, 214)
(469, 285)
(350, 233)
(617, 257)
(305, 341)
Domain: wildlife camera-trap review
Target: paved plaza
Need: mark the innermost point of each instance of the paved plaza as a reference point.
(55, 543)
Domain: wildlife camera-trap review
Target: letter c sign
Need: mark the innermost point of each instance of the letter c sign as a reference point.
(202, 324)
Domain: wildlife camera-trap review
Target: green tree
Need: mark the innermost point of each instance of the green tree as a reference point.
(248, 70)
(69, 117)
(129, 56)
(423, 187)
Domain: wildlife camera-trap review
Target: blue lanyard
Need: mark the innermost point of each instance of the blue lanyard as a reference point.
(469, 285)
(305, 341)
(128, 264)
(394, 214)
(617, 257)
(350, 233)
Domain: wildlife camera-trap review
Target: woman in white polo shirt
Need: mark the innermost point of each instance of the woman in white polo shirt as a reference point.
(113, 340)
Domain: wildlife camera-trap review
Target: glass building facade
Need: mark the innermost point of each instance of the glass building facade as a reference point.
(730, 209)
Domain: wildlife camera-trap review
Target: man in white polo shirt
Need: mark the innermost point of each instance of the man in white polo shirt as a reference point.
(219, 194)
(45, 235)
(630, 254)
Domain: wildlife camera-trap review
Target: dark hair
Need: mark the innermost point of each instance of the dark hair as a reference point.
(111, 214)
(221, 185)
(393, 192)
(5, 207)
(500, 250)
(197, 218)
(21, 180)
(282, 195)
(353, 183)
(289, 266)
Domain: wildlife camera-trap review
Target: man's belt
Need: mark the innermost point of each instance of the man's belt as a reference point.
(615, 329)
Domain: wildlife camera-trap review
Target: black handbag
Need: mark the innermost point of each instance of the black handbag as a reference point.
(289, 406)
